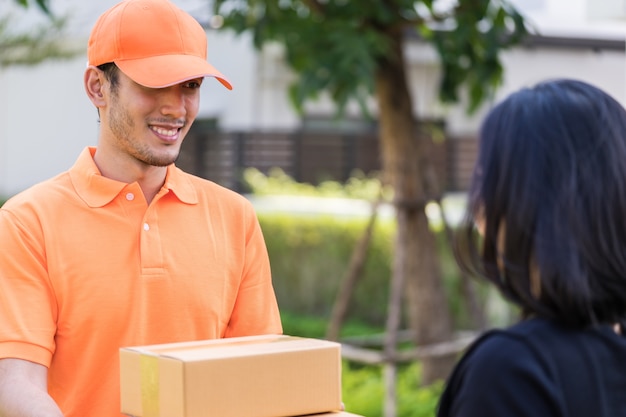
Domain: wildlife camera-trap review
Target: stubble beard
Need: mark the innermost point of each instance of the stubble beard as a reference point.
(122, 126)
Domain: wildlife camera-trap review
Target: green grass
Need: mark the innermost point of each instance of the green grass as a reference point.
(363, 386)
(315, 327)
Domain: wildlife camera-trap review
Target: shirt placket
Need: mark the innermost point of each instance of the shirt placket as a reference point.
(150, 244)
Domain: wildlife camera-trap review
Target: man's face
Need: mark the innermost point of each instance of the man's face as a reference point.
(149, 124)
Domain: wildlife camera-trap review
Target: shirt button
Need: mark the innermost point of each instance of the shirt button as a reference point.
(130, 196)
(146, 227)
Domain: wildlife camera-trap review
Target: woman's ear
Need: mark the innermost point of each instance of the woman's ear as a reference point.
(94, 81)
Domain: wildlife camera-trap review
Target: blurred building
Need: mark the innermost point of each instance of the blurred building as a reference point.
(46, 119)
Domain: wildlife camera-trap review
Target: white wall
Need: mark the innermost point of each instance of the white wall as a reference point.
(526, 67)
(46, 119)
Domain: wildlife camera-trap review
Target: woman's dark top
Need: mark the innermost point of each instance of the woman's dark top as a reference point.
(538, 369)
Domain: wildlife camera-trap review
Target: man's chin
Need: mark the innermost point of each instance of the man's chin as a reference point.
(160, 160)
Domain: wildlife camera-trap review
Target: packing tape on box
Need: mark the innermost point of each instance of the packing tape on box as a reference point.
(150, 385)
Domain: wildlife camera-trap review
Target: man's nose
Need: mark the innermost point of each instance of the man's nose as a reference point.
(173, 103)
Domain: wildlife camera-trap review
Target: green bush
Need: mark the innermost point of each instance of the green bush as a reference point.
(363, 386)
(310, 255)
(278, 183)
(363, 391)
(312, 326)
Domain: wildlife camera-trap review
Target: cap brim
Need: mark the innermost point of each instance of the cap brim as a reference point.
(167, 70)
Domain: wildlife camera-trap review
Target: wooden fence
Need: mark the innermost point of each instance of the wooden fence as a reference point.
(311, 156)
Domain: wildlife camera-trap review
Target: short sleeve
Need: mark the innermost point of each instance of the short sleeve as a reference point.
(501, 375)
(256, 309)
(27, 302)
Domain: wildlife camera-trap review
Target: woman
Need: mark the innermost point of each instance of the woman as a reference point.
(548, 198)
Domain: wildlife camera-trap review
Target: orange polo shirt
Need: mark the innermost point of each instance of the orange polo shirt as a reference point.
(86, 267)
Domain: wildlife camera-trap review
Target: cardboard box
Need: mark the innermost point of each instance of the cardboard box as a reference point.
(254, 376)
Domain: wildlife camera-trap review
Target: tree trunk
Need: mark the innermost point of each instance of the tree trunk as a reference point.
(348, 284)
(416, 258)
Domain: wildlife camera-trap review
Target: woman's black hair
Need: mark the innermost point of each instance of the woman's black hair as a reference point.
(549, 187)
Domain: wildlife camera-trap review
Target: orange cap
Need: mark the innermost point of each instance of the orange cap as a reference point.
(153, 42)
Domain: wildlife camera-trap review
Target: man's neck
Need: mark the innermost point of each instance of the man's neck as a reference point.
(150, 178)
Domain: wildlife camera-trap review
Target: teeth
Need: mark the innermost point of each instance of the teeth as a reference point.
(164, 132)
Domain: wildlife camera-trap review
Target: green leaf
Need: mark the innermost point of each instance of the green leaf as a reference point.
(335, 46)
(42, 4)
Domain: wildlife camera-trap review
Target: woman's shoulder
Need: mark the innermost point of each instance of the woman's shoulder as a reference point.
(552, 367)
(499, 349)
(536, 338)
(502, 369)
(526, 353)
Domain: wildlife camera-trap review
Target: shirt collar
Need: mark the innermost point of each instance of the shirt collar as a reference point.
(97, 191)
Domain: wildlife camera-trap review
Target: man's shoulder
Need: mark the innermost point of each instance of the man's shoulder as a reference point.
(44, 202)
(41, 194)
(208, 189)
(204, 183)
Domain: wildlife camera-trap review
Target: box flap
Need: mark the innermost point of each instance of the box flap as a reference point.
(236, 347)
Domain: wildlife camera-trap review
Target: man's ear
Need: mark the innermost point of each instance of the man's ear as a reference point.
(95, 83)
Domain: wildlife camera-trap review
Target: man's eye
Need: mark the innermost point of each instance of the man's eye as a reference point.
(193, 84)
